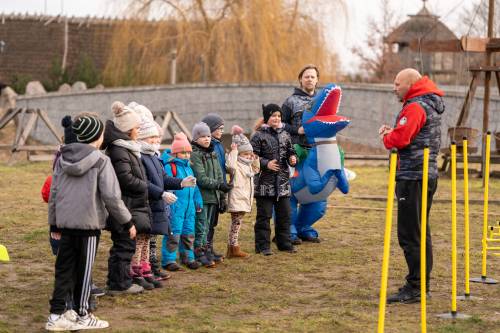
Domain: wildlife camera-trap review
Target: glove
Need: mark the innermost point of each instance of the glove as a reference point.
(169, 198)
(222, 205)
(189, 181)
(225, 187)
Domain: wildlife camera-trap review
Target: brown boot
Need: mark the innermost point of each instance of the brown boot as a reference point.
(235, 252)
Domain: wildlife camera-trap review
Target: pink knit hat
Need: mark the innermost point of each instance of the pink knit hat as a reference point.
(181, 144)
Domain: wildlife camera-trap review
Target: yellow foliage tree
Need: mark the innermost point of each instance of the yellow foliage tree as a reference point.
(217, 41)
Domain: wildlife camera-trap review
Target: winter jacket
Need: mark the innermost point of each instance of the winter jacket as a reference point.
(272, 144)
(132, 178)
(417, 124)
(221, 156)
(189, 198)
(240, 197)
(84, 189)
(206, 169)
(292, 109)
(158, 182)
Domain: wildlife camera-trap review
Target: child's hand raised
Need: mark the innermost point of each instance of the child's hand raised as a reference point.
(234, 146)
(293, 160)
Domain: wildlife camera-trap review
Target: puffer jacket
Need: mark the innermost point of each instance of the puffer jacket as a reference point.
(292, 109)
(221, 156)
(189, 198)
(84, 189)
(158, 182)
(418, 124)
(272, 144)
(240, 197)
(206, 169)
(132, 178)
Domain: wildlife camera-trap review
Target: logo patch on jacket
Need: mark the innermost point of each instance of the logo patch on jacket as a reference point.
(403, 121)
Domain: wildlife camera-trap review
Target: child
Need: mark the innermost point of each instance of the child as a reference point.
(84, 188)
(121, 146)
(183, 211)
(216, 125)
(272, 186)
(242, 165)
(208, 173)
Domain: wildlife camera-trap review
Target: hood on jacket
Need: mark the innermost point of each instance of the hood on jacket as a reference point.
(425, 86)
(300, 92)
(112, 133)
(77, 158)
(167, 157)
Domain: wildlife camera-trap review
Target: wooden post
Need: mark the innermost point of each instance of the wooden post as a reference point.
(469, 98)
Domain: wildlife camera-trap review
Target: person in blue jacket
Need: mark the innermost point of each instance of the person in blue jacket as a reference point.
(183, 211)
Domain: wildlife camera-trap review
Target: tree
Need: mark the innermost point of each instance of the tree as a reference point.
(217, 41)
(377, 59)
(474, 19)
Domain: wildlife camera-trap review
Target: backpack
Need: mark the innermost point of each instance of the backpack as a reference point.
(173, 166)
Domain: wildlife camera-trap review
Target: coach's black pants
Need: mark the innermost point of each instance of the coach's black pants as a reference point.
(409, 195)
(73, 272)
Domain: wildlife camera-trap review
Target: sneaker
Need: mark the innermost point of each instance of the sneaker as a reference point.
(133, 289)
(203, 260)
(143, 283)
(406, 295)
(296, 241)
(60, 322)
(91, 322)
(291, 249)
(96, 291)
(161, 276)
(311, 239)
(265, 252)
(156, 283)
(173, 267)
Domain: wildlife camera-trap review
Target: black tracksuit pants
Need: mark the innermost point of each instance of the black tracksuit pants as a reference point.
(73, 272)
(409, 195)
(120, 256)
(262, 226)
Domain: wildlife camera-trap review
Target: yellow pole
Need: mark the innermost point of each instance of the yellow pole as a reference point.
(485, 203)
(453, 229)
(387, 240)
(466, 215)
(423, 241)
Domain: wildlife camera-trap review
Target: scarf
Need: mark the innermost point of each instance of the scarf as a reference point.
(132, 146)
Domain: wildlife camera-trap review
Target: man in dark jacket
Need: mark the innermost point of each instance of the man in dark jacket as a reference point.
(417, 124)
(294, 106)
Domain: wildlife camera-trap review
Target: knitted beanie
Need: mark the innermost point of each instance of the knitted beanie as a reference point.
(240, 139)
(213, 120)
(268, 110)
(69, 136)
(148, 129)
(181, 144)
(141, 110)
(125, 118)
(87, 129)
(199, 130)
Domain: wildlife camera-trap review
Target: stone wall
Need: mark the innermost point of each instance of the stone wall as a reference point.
(368, 106)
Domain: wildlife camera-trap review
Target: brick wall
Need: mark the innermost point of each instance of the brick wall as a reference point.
(33, 43)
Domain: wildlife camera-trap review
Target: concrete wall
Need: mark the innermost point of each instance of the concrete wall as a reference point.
(368, 106)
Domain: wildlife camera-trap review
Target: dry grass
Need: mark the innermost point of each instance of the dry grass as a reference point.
(330, 287)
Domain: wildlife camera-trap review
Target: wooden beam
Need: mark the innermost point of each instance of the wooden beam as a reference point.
(451, 45)
(166, 121)
(485, 69)
(464, 113)
(493, 45)
(49, 124)
(473, 44)
(8, 116)
(26, 131)
(181, 125)
(497, 74)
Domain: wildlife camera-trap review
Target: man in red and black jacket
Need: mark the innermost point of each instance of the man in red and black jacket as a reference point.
(417, 124)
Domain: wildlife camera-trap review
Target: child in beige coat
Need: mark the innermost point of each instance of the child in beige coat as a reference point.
(242, 164)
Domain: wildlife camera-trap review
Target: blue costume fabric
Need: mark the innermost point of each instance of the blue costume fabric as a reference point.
(183, 213)
(221, 156)
(322, 171)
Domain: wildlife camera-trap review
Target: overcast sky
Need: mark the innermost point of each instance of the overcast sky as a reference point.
(351, 34)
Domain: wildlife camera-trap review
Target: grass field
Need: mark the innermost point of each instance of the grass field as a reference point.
(327, 287)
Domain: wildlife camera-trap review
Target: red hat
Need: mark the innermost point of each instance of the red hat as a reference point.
(181, 143)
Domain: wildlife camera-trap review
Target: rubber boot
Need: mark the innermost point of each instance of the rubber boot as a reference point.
(147, 274)
(137, 278)
(202, 258)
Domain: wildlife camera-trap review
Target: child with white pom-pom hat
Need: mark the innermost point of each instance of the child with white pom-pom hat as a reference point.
(242, 164)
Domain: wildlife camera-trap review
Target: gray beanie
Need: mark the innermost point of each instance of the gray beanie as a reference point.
(240, 139)
(213, 120)
(199, 130)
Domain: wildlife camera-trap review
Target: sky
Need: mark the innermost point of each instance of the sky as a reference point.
(349, 33)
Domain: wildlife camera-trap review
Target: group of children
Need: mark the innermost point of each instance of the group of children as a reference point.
(136, 194)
